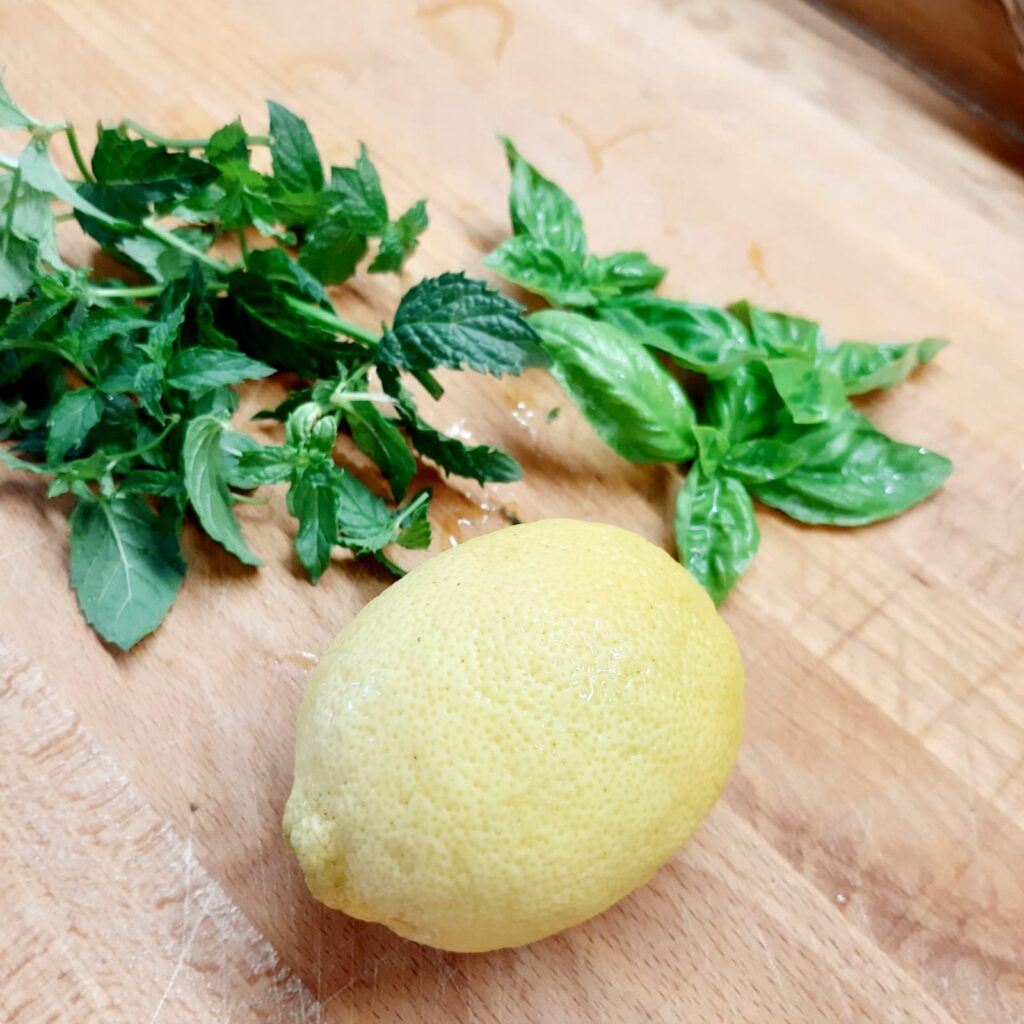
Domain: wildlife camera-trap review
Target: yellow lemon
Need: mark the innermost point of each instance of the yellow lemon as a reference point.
(514, 736)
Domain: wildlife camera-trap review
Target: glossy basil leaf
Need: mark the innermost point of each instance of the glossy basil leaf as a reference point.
(541, 210)
(126, 566)
(811, 394)
(701, 338)
(206, 481)
(359, 197)
(554, 274)
(293, 152)
(71, 419)
(621, 274)
(400, 239)
(864, 367)
(379, 438)
(761, 460)
(712, 446)
(716, 533)
(851, 473)
(744, 405)
(632, 402)
(452, 320)
(778, 334)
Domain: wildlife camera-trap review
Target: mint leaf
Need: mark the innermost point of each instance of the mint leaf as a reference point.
(452, 320)
(293, 152)
(636, 407)
(864, 367)
(206, 481)
(332, 250)
(30, 217)
(265, 464)
(126, 567)
(541, 210)
(11, 115)
(196, 370)
(314, 500)
(71, 419)
(366, 524)
(851, 473)
(38, 170)
(475, 462)
(716, 532)
(701, 338)
(400, 239)
(379, 438)
(810, 393)
(359, 197)
(17, 269)
(132, 170)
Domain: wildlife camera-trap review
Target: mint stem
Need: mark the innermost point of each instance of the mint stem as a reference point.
(169, 238)
(142, 131)
(331, 319)
(69, 131)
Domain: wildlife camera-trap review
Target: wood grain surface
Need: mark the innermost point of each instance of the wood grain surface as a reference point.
(867, 860)
(975, 48)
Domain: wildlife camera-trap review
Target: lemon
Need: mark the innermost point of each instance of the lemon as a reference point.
(513, 736)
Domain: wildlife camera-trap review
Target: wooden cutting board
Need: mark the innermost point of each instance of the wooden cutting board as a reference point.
(867, 860)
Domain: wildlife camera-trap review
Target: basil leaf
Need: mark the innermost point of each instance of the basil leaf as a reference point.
(700, 338)
(206, 481)
(778, 334)
(379, 438)
(744, 405)
(632, 402)
(451, 320)
(199, 369)
(126, 567)
(712, 446)
(810, 393)
(359, 197)
(332, 250)
(716, 532)
(293, 152)
(863, 367)
(621, 273)
(400, 239)
(554, 274)
(541, 210)
(851, 474)
(314, 500)
(761, 460)
(70, 421)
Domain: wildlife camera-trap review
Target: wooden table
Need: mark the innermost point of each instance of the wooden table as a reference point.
(867, 860)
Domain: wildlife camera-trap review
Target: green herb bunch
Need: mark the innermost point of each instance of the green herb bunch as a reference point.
(123, 393)
(775, 421)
